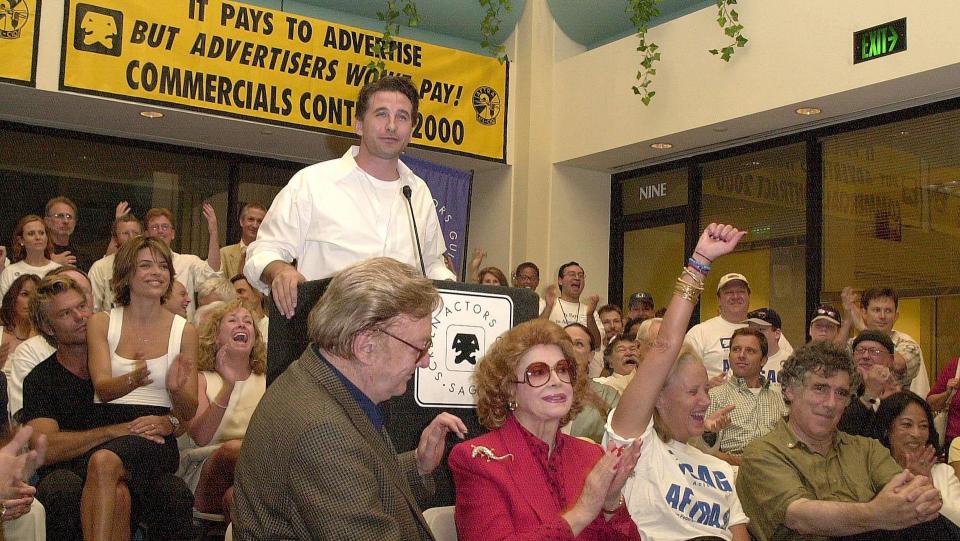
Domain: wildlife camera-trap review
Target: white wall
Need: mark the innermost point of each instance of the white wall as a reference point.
(798, 51)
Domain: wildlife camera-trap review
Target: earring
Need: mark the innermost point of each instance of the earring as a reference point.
(512, 405)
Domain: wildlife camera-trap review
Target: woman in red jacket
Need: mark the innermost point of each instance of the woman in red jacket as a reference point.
(525, 479)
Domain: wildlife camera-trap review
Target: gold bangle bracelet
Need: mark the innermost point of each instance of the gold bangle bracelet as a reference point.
(615, 509)
(687, 285)
(697, 281)
(686, 291)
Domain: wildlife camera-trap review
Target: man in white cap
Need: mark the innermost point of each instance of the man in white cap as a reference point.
(711, 338)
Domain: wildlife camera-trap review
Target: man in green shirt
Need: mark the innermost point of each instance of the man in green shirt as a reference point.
(805, 480)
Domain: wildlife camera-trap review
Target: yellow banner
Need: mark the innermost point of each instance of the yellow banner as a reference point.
(19, 29)
(234, 59)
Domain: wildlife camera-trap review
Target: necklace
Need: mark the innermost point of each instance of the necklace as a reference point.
(566, 321)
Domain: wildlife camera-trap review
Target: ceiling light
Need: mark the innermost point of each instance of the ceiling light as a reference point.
(808, 111)
(266, 132)
(151, 114)
(720, 129)
(661, 146)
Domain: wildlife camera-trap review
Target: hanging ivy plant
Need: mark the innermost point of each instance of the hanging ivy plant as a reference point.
(729, 20)
(490, 25)
(390, 17)
(641, 12)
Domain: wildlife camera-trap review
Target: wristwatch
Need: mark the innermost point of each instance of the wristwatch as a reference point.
(174, 421)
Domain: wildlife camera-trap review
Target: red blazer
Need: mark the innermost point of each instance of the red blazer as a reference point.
(510, 498)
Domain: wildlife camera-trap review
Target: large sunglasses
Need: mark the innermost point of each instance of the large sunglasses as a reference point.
(538, 373)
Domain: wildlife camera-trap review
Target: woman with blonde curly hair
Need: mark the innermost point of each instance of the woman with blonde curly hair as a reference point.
(526, 476)
(232, 364)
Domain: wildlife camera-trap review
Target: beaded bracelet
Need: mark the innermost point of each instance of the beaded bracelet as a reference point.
(702, 268)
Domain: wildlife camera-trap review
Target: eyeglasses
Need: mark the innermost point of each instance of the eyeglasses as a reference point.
(62, 216)
(538, 373)
(526, 278)
(873, 352)
(160, 227)
(420, 351)
(572, 274)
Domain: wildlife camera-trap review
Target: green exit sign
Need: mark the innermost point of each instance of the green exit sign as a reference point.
(879, 41)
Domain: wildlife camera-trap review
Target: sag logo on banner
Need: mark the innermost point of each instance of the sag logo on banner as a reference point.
(464, 328)
(233, 59)
(19, 31)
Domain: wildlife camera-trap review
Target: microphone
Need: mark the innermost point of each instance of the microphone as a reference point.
(407, 193)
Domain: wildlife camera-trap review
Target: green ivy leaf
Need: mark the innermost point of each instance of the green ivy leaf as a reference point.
(741, 41)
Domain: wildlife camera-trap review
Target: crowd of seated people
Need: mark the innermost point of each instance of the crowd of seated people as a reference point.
(164, 356)
(859, 458)
(104, 366)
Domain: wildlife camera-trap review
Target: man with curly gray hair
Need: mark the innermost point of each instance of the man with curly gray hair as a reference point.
(807, 480)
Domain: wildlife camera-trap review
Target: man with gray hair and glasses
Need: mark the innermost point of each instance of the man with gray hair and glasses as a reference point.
(806, 480)
(317, 462)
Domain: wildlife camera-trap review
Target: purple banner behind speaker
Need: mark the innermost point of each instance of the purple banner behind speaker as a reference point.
(451, 194)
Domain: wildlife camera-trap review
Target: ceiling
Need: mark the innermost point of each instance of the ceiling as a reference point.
(589, 23)
(595, 23)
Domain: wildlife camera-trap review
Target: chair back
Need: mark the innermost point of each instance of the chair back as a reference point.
(442, 525)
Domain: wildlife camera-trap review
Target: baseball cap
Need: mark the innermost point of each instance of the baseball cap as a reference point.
(827, 312)
(727, 278)
(765, 317)
(641, 297)
(874, 336)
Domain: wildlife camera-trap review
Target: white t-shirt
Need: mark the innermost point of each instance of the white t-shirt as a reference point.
(100, 274)
(28, 354)
(14, 270)
(191, 271)
(617, 381)
(711, 340)
(945, 479)
(771, 369)
(678, 491)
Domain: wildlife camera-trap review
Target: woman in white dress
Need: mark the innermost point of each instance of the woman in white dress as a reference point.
(142, 367)
(232, 364)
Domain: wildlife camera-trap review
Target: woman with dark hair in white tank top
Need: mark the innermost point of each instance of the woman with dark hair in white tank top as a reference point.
(142, 366)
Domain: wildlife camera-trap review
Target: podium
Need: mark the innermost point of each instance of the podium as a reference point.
(476, 312)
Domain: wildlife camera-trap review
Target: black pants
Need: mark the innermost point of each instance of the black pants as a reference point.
(939, 529)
